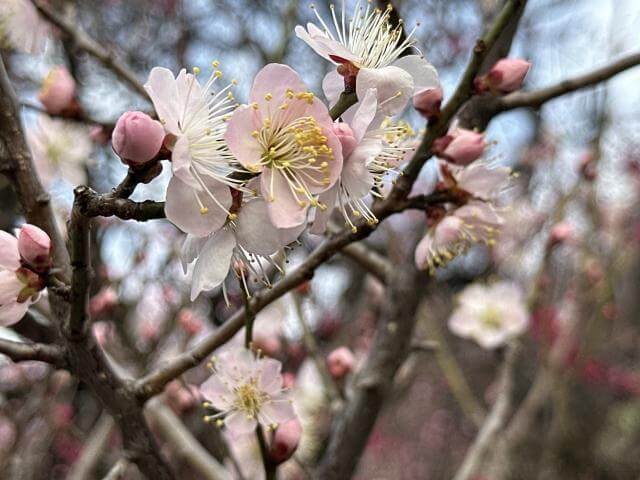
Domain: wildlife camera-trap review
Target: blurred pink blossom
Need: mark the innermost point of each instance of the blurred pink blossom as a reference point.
(340, 362)
(58, 92)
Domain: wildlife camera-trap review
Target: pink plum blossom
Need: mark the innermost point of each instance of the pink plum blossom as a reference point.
(370, 151)
(491, 315)
(61, 149)
(368, 47)
(246, 391)
(22, 26)
(19, 284)
(460, 146)
(505, 76)
(285, 441)
(137, 138)
(340, 362)
(286, 135)
(194, 117)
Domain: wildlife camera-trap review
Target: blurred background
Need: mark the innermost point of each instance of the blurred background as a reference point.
(571, 241)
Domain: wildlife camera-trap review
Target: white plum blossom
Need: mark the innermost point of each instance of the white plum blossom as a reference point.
(194, 117)
(490, 315)
(21, 26)
(367, 46)
(369, 152)
(246, 391)
(60, 149)
(246, 240)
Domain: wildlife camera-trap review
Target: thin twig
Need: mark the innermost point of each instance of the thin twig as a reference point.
(21, 351)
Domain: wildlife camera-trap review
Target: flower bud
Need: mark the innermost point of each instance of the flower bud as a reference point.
(428, 101)
(560, 233)
(189, 321)
(103, 302)
(34, 246)
(505, 76)
(58, 91)
(460, 147)
(285, 441)
(137, 138)
(346, 136)
(340, 362)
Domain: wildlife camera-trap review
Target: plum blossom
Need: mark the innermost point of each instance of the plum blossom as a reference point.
(243, 241)
(60, 149)
(286, 135)
(285, 441)
(21, 26)
(137, 138)
(460, 146)
(475, 221)
(340, 362)
(505, 76)
(368, 48)
(194, 117)
(20, 279)
(491, 315)
(246, 391)
(370, 152)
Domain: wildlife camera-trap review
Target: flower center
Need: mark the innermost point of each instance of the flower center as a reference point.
(491, 318)
(249, 398)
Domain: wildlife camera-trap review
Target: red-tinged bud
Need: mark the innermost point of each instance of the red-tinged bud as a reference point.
(103, 302)
(340, 362)
(34, 246)
(506, 76)
(190, 322)
(460, 146)
(137, 138)
(561, 232)
(285, 441)
(58, 92)
(428, 102)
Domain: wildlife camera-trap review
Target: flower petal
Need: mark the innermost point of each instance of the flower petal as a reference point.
(13, 312)
(190, 249)
(183, 210)
(254, 229)
(239, 424)
(322, 217)
(213, 262)
(284, 209)
(239, 139)
(217, 393)
(394, 88)
(275, 79)
(278, 410)
(423, 73)
(332, 86)
(10, 286)
(365, 114)
(9, 256)
(161, 87)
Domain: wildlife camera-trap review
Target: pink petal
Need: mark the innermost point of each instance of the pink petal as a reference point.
(254, 230)
(9, 256)
(365, 114)
(13, 312)
(275, 79)
(270, 379)
(238, 136)
(181, 161)
(284, 210)
(10, 286)
(161, 87)
(333, 86)
(183, 210)
(423, 255)
(278, 410)
(321, 220)
(217, 393)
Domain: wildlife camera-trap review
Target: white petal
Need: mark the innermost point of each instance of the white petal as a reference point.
(322, 216)
(365, 114)
(10, 286)
(239, 424)
(213, 262)
(217, 393)
(332, 86)
(254, 229)
(190, 249)
(161, 87)
(13, 312)
(394, 88)
(423, 73)
(9, 256)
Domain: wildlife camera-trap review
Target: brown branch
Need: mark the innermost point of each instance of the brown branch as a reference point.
(537, 97)
(93, 449)
(20, 351)
(93, 204)
(373, 262)
(84, 42)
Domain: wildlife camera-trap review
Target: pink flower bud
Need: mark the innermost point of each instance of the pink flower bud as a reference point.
(103, 333)
(189, 322)
(58, 91)
(137, 138)
(346, 136)
(561, 233)
(269, 344)
(428, 102)
(460, 146)
(505, 76)
(340, 362)
(285, 441)
(35, 247)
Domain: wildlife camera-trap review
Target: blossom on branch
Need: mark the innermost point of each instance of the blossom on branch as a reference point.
(367, 50)
(246, 390)
(194, 117)
(286, 135)
(491, 315)
(24, 262)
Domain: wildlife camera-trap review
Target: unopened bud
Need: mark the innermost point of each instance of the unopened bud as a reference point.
(285, 441)
(35, 248)
(428, 102)
(137, 138)
(505, 76)
(340, 362)
(461, 146)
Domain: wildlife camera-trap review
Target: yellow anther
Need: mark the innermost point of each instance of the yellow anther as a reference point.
(284, 106)
(233, 216)
(204, 210)
(254, 105)
(354, 229)
(215, 63)
(219, 423)
(255, 133)
(218, 74)
(196, 70)
(229, 95)
(268, 97)
(234, 82)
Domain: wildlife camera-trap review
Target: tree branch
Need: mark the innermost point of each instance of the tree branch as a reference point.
(93, 204)
(84, 42)
(20, 351)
